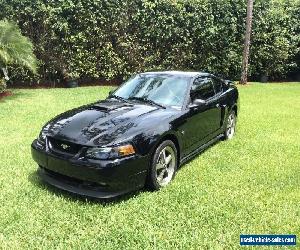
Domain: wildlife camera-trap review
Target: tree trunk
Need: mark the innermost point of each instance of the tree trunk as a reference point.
(245, 63)
(5, 73)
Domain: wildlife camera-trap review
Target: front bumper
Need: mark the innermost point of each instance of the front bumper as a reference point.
(92, 178)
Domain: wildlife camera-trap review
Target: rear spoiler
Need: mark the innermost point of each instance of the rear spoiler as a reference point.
(228, 82)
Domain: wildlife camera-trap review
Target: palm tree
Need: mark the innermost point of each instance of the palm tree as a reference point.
(15, 49)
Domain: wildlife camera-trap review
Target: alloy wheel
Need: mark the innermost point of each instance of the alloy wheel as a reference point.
(165, 166)
(230, 129)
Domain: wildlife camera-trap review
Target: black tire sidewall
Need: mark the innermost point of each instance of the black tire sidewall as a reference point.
(151, 180)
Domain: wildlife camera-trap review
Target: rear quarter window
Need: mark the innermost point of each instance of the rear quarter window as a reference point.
(218, 85)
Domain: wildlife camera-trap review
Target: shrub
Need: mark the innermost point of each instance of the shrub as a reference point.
(274, 39)
(113, 39)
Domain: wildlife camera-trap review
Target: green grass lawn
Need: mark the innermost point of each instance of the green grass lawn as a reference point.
(249, 185)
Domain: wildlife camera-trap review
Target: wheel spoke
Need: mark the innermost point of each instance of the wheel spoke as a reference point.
(164, 155)
(159, 166)
(161, 175)
(168, 159)
(168, 171)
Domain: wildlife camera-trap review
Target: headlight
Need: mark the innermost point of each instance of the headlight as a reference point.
(110, 152)
(41, 140)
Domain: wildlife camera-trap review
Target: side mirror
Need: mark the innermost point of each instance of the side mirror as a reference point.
(196, 103)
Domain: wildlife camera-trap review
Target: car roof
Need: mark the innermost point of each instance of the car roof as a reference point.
(177, 73)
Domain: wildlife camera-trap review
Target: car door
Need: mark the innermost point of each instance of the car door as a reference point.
(220, 97)
(203, 120)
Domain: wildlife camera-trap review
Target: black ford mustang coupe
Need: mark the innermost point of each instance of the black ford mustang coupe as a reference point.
(139, 135)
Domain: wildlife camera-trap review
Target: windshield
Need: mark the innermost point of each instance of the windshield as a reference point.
(166, 90)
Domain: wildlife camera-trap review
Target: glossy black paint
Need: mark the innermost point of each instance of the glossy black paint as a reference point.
(114, 122)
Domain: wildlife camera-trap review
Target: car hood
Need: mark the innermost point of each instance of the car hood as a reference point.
(103, 123)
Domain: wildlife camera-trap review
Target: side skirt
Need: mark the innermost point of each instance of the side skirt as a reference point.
(200, 149)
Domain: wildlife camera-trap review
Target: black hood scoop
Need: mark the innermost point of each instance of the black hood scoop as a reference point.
(107, 106)
(101, 123)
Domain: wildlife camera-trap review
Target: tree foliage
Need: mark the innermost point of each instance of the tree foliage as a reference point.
(275, 38)
(113, 39)
(15, 49)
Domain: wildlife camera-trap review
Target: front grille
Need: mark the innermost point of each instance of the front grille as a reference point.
(63, 146)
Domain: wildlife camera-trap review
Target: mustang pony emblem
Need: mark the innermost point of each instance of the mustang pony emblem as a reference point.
(64, 146)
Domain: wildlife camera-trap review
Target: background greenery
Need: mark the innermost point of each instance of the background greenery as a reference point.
(112, 39)
(249, 185)
(14, 49)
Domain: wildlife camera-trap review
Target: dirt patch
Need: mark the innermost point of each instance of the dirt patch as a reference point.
(5, 94)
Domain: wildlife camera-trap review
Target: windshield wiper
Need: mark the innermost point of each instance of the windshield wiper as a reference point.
(119, 98)
(143, 99)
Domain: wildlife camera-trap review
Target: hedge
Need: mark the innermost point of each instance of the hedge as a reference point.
(113, 39)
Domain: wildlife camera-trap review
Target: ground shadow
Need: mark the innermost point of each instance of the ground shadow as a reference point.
(35, 179)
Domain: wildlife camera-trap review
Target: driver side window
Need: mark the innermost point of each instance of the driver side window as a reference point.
(202, 88)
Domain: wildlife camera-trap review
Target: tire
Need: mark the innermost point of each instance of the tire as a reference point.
(163, 167)
(230, 127)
